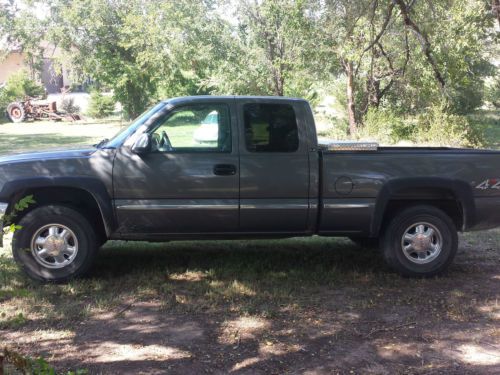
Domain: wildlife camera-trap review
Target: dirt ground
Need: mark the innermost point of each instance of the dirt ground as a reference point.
(369, 321)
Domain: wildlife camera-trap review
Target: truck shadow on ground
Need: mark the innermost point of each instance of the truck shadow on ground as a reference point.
(231, 257)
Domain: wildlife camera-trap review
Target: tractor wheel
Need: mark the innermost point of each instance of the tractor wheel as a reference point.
(16, 112)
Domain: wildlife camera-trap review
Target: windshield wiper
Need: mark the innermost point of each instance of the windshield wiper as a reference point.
(101, 143)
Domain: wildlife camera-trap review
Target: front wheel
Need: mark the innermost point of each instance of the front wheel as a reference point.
(420, 241)
(54, 244)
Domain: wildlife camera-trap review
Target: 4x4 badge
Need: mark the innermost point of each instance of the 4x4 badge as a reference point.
(491, 183)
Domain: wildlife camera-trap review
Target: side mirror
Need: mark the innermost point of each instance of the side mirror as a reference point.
(142, 145)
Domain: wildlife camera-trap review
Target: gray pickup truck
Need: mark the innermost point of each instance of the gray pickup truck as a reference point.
(209, 167)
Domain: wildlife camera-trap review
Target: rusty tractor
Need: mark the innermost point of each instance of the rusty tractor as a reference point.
(37, 109)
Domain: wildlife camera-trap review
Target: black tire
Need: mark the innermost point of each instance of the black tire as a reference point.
(427, 218)
(16, 112)
(82, 233)
(366, 242)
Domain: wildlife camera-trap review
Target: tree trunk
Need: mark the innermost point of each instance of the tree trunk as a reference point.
(279, 82)
(424, 41)
(351, 106)
(495, 8)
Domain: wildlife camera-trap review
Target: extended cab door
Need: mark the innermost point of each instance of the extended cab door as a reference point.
(274, 166)
(189, 183)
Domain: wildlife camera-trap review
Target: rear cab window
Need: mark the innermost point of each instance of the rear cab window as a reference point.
(270, 127)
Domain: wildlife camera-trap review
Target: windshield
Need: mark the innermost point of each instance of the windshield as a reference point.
(122, 135)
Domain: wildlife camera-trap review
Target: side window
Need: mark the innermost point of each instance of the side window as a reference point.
(203, 127)
(271, 128)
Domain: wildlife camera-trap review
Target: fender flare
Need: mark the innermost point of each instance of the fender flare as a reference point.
(460, 189)
(93, 186)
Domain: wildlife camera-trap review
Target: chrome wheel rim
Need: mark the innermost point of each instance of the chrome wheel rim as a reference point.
(54, 246)
(421, 243)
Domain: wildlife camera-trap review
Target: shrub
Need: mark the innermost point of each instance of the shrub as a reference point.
(492, 93)
(100, 105)
(68, 105)
(437, 127)
(335, 128)
(17, 87)
(385, 126)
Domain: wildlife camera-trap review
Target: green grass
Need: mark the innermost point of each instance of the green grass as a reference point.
(181, 136)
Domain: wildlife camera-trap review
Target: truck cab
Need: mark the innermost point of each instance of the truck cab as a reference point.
(253, 179)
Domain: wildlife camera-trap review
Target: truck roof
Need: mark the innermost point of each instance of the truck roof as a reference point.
(229, 97)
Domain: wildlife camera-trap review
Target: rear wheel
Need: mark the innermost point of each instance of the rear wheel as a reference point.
(55, 243)
(16, 112)
(420, 241)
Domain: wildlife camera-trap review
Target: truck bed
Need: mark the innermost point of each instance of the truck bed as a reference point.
(356, 184)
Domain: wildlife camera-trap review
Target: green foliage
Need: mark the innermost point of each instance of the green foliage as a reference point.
(146, 51)
(437, 127)
(460, 35)
(17, 87)
(141, 50)
(20, 26)
(492, 93)
(100, 105)
(8, 225)
(270, 52)
(338, 129)
(385, 126)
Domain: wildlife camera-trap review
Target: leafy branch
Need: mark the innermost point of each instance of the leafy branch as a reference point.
(8, 222)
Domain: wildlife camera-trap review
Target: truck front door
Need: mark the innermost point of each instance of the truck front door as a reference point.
(189, 183)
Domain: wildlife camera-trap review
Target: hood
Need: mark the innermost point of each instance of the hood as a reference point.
(47, 155)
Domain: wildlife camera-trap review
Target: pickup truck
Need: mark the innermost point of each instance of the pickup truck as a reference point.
(208, 167)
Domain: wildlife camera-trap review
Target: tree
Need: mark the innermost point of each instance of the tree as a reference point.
(408, 53)
(349, 32)
(141, 50)
(449, 55)
(272, 50)
(404, 55)
(21, 30)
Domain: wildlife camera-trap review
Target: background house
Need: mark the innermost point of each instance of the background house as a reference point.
(52, 79)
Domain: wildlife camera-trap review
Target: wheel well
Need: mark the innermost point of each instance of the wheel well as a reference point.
(443, 199)
(79, 199)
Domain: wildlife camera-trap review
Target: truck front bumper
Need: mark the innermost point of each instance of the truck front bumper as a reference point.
(3, 210)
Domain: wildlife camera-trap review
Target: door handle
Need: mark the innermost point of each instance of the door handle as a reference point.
(225, 170)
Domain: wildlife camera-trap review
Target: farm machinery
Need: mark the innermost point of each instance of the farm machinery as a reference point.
(37, 109)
